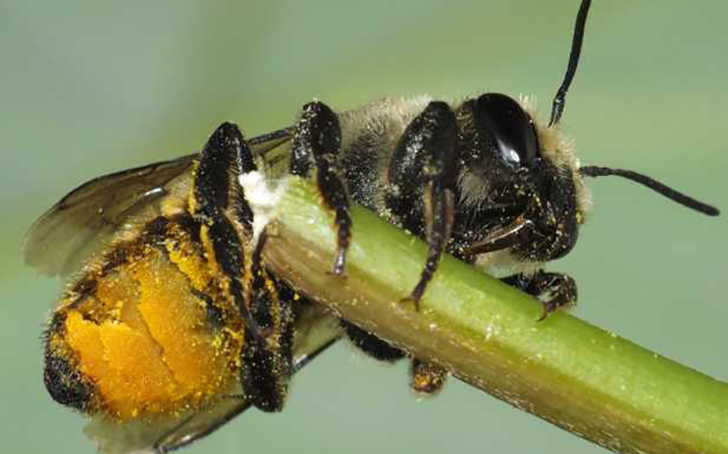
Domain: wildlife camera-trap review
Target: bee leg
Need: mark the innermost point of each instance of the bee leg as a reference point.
(560, 288)
(370, 344)
(267, 363)
(425, 157)
(427, 378)
(217, 202)
(316, 143)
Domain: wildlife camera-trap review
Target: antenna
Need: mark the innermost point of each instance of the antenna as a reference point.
(557, 107)
(660, 188)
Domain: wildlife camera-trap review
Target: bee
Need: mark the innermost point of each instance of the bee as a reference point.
(171, 314)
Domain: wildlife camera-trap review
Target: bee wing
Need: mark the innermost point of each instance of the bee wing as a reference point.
(315, 332)
(89, 216)
(79, 224)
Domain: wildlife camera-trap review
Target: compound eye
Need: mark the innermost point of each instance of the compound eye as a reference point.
(510, 127)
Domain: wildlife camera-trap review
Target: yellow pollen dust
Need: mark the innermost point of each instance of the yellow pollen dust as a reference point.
(155, 351)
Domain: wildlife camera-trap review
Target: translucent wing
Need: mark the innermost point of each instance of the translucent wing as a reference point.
(82, 221)
(315, 332)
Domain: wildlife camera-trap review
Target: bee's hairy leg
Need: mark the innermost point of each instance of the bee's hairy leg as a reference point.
(217, 202)
(267, 363)
(422, 177)
(372, 345)
(316, 144)
(426, 377)
(560, 288)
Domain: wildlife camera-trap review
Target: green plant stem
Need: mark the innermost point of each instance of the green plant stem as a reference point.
(588, 381)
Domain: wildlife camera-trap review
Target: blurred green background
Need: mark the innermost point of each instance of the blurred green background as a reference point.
(88, 88)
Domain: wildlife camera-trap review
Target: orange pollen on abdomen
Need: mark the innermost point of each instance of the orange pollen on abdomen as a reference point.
(158, 352)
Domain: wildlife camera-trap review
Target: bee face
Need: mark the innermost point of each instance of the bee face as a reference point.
(514, 163)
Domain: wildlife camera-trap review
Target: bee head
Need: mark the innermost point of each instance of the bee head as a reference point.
(520, 187)
(521, 184)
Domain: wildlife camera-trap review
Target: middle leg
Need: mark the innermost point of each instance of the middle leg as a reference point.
(316, 144)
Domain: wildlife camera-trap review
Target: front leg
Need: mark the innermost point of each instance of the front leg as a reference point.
(560, 289)
(422, 177)
(316, 143)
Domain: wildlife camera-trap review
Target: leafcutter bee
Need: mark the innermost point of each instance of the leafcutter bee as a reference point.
(171, 278)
